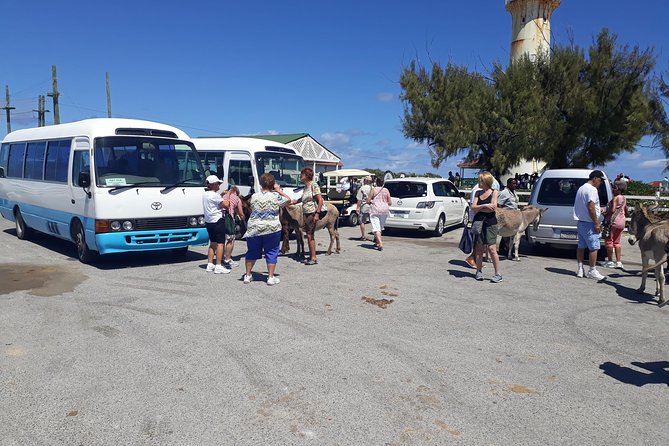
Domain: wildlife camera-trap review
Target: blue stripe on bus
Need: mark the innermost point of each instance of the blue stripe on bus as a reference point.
(57, 223)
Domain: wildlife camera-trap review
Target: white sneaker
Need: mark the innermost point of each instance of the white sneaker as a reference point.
(603, 263)
(210, 267)
(248, 278)
(596, 275)
(220, 269)
(620, 265)
(273, 281)
(231, 263)
(609, 264)
(579, 273)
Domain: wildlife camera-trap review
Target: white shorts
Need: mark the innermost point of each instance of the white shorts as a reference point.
(378, 222)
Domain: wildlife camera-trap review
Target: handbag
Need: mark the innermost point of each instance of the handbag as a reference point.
(466, 244)
(606, 229)
(229, 223)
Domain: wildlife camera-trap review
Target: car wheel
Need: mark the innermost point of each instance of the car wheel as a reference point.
(439, 230)
(22, 229)
(465, 217)
(84, 253)
(353, 219)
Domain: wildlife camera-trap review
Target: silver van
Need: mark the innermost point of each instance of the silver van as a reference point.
(556, 189)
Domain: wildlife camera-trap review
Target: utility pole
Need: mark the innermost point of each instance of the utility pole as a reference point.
(108, 98)
(54, 94)
(41, 121)
(7, 109)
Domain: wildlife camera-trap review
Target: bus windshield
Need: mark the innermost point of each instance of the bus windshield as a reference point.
(126, 160)
(285, 167)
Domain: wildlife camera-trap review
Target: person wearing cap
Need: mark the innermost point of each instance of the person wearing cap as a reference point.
(213, 205)
(587, 211)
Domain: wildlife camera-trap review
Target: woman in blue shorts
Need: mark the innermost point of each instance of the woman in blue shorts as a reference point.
(263, 233)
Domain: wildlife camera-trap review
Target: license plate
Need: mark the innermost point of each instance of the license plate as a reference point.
(569, 235)
(395, 215)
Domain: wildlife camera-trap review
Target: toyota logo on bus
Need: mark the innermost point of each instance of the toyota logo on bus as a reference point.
(156, 205)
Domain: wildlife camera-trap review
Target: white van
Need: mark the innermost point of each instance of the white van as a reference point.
(240, 161)
(556, 189)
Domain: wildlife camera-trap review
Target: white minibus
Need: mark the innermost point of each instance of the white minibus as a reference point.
(109, 185)
(240, 161)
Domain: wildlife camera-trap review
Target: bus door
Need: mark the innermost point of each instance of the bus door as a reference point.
(239, 172)
(82, 205)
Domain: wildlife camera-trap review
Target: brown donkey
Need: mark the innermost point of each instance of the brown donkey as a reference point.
(513, 222)
(293, 218)
(652, 233)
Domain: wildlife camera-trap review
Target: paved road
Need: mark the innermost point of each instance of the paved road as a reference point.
(148, 349)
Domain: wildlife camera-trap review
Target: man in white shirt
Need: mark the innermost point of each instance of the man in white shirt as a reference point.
(213, 205)
(587, 211)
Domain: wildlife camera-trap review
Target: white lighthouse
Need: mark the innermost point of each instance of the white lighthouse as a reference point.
(531, 26)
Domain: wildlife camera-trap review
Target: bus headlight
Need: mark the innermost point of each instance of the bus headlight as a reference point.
(200, 220)
(192, 221)
(115, 225)
(127, 225)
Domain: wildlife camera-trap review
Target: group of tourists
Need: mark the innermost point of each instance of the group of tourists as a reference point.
(593, 222)
(263, 229)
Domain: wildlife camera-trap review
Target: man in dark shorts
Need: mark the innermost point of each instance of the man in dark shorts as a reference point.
(213, 205)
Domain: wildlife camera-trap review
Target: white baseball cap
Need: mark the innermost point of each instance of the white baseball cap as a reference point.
(213, 179)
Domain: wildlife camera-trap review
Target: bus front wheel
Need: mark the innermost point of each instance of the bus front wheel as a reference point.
(85, 254)
(22, 229)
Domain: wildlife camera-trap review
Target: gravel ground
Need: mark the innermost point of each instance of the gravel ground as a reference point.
(395, 347)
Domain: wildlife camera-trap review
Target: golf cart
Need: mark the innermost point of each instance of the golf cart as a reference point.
(337, 192)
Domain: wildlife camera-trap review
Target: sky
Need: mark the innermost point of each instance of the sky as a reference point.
(330, 69)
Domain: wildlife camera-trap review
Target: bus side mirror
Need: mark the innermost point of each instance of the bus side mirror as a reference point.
(463, 195)
(84, 180)
(2, 172)
(250, 180)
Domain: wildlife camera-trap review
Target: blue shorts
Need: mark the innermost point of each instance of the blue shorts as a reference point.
(269, 244)
(587, 237)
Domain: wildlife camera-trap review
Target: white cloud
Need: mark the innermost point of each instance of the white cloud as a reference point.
(334, 139)
(386, 97)
(633, 156)
(652, 164)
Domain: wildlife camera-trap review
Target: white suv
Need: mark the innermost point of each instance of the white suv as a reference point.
(429, 204)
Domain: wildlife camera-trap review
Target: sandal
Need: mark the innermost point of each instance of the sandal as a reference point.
(311, 262)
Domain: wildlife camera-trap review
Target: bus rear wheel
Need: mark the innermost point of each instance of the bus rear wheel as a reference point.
(22, 229)
(85, 254)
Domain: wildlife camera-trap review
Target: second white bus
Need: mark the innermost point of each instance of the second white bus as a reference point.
(240, 161)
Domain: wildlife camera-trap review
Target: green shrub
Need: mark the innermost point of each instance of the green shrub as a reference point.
(639, 188)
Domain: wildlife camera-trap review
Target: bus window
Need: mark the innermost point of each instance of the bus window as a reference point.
(80, 163)
(213, 163)
(17, 153)
(57, 160)
(4, 155)
(284, 167)
(240, 171)
(34, 166)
